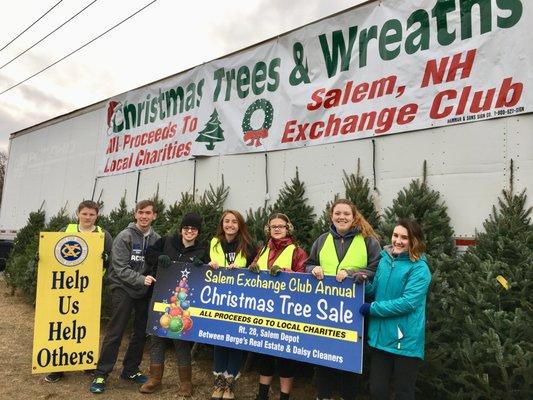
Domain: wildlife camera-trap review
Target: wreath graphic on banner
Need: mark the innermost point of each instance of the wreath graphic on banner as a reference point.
(253, 137)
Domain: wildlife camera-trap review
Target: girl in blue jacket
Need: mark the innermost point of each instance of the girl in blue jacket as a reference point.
(397, 315)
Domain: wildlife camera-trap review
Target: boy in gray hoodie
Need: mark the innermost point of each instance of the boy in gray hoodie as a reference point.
(130, 278)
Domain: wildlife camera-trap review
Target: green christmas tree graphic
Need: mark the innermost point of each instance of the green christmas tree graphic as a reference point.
(212, 132)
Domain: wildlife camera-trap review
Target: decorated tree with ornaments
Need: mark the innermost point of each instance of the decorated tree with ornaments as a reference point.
(176, 318)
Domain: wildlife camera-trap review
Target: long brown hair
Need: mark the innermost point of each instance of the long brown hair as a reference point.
(359, 221)
(417, 246)
(244, 241)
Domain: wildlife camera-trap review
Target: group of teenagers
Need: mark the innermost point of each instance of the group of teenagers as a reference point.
(396, 280)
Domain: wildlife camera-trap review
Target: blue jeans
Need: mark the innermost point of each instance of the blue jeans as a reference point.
(227, 360)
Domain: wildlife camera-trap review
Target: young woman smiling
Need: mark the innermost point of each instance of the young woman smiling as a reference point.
(232, 247)
(397, 316)
(281, 253)
(349, 249)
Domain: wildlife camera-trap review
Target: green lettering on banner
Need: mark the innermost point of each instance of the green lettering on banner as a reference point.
(243, 81)
(420, 35)
(385, 38)
(516, 8)
(466, 17)
(443, 7)
(273, 74)
(300, 72)
(338, 49)
(364, 38)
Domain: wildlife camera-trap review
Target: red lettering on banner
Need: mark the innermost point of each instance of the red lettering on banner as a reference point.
(443, 104)
(379, 122)
(350, 93)
(131, 141)
(436, 73)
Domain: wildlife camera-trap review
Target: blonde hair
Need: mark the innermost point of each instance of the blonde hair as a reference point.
(359, 221)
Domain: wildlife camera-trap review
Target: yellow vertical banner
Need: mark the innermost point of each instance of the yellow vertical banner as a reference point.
(67, 313)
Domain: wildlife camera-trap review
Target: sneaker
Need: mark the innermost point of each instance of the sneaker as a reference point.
(136, 377)
(98, 385)
(53, 377)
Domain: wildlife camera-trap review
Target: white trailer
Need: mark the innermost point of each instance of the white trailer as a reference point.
(468, 154)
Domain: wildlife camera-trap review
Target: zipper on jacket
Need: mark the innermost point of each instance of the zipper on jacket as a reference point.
(386, 289)
(342, 251)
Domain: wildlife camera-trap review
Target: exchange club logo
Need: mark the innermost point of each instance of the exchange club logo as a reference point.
(71, 251)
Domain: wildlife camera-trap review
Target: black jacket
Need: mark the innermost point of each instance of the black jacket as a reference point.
(173, 247)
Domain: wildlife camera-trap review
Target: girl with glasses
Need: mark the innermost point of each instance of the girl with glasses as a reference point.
(281, 253)
(182, 247)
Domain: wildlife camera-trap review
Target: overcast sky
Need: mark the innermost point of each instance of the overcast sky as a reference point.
(167, 37)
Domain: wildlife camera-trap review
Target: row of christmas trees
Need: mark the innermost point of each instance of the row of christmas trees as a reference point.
(479, 313)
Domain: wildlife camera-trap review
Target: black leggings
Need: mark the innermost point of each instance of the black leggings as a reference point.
(267, 366)
(327, 379)
(400, 370)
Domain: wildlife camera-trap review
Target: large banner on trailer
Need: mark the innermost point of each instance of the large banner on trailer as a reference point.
(292, 315)
(382, 68)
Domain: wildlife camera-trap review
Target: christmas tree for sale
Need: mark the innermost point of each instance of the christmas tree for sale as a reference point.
(59, 221)
(293, 203)
(359, 192)
(256, 221)
(480, 311)
(495, 353)
(160, 223)
(176, 211)
(22, 259)
(120, 217)
(210, 207)
(323, 223)
(418, 201)
(212, 132)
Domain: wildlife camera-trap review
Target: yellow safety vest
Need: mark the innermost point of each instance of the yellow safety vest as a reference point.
(74, 228)
(217, 254)
(284, 259)
(355, 257)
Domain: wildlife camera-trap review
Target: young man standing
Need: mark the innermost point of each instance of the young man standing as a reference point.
(87, 214)
(130, 278)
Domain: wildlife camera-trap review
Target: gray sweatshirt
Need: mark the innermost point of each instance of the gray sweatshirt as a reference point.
(128, 268)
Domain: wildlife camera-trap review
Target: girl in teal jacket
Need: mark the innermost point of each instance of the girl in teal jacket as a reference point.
(397, 316)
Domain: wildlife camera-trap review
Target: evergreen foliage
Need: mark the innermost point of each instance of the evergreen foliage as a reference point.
(256, 221)
(292, 202)
(175, 212)
(58, 221)
(419, 202)
(324, 221)
(160, 223)
(358, 191)
(479, 329)
(210, 207)
(21, 263)
(120, 217)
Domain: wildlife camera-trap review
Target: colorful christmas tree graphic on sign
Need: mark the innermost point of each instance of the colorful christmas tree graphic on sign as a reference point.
(212, 132)
(177, 319)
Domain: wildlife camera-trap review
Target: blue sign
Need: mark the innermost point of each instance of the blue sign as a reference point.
(292, 315)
